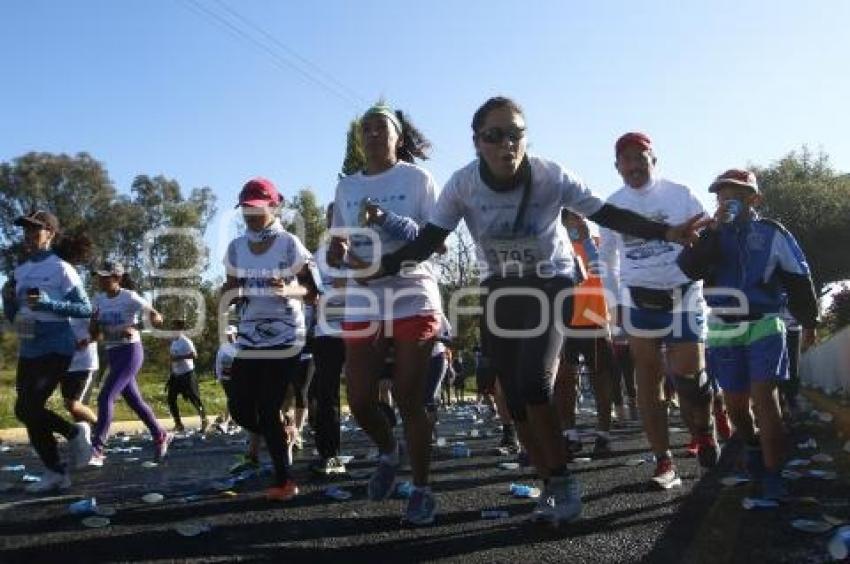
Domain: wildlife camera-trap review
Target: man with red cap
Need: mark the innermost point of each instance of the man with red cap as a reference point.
(663, 311)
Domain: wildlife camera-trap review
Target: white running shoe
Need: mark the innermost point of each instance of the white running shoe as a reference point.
(80, 446)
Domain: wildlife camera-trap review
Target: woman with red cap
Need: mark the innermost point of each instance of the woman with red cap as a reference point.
(267, 276)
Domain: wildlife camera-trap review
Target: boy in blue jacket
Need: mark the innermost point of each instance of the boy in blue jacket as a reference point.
(752, 265)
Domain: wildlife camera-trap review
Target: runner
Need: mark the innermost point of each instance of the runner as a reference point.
(758, 257)
(267, 275)
(587, 341)
(329, 357)
(183, 380)
(77, 380)
(223, 364)
(117, 310)
(399, 310)
(40, 297)
(511, 203)
(661, 306)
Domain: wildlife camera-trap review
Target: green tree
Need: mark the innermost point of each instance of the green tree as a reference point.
(355, 158)
(804, 193)
(308, 218)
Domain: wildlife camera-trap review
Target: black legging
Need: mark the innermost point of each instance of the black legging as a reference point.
(791, 387)
(257, 389)
(328, 357)
(37, 379)
(525, 364)
(623, 374)
(187, 386)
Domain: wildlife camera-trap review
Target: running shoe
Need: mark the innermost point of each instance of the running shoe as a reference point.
(421, 508)
(179, 428)
(245, 463)
(282, 492)
(328, 466)
(161, 447)
(80, 446)
(382, 481)
(50, 482)
(509, 438)
(665, 474)
(205, 423)
(565, 492)
(708, 451)
(544, 508)
(97, 458)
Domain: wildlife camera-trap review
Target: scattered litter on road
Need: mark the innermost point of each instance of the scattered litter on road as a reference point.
(509, 465)
(634, 462)
(822, 474)
(105, 510)
(153, 497)
(732, 481)
(96, 522)
(791, 474)
(460, 450)
(30, 478)
(524, 491)
(345, 458)
(811, 526)
(822, 458)
(749, 503)
(494, 514)
(810, 443)
(582, 459)
(337, 493)
(798, 462)
(83, 507)
(403, 490)
(149, 464)
(14, 468)
(825, 417)
(192, 528)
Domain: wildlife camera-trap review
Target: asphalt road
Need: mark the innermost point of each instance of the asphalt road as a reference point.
(623, 519)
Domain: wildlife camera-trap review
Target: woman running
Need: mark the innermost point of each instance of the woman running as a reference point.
(117, 311)
(43, 293)
(511, 202)
(267, 275)
(402, 310)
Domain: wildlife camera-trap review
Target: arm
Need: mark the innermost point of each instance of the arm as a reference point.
(609, 258)
(74, 304)
(699, 261)
(429, 240)
(10, 302)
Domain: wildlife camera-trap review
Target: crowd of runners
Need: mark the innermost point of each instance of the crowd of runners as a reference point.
(667, 303)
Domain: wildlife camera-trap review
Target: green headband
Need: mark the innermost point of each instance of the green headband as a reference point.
(387, 112)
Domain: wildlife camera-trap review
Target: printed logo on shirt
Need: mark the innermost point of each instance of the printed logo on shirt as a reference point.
(642, 249)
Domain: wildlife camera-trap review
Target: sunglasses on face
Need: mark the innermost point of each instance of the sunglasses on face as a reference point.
(495, 135)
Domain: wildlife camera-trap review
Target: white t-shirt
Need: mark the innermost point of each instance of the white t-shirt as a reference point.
(53, 276)
(632, 261)
(181, 346)
(85, 357)
(540, 244)
(407, 190)
(115, 315)
(267, 320)
(224, 361)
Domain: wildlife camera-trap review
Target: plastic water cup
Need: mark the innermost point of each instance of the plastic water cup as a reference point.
(839, 545)
(83, 507)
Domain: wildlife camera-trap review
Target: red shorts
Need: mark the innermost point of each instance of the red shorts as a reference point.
(409, 329)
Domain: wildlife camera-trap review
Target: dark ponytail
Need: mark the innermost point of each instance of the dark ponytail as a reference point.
(414, 145)
(74, 248)
(126, 282)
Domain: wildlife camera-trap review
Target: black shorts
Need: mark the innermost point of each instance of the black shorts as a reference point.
(597, 352)
(185, 385)
(75, 384)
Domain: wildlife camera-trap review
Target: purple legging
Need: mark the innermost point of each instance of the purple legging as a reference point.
(124, 363)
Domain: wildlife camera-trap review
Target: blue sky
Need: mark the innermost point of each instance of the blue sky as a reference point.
(165, 87)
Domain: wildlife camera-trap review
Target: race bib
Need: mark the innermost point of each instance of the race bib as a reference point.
(512, 256)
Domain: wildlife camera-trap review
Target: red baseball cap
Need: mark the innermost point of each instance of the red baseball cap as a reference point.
(736, 177)
(642, 140)
(259, 192)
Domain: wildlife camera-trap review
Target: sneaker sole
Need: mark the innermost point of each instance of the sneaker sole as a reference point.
(668, 485)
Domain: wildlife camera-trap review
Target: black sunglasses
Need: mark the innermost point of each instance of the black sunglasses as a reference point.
(497, 135)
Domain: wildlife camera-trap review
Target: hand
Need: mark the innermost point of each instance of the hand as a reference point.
(156, 318)
(374, 214)
(283, 289)
(687, 233)
(337, 250)
(808, 338)
(33, 300)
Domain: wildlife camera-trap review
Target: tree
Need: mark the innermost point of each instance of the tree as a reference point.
(355, 158)
(76, 189)
(308, 221)
(804, 193)
(838, 314)
(457, 270)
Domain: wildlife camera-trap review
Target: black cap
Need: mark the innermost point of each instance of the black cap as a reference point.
(39, 218)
